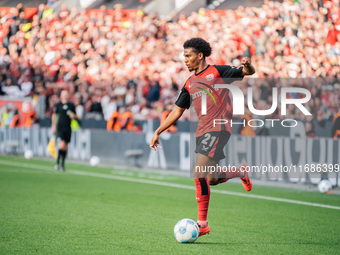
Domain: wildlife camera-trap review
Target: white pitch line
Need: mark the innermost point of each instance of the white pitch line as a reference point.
(8, 170)
(168, 184)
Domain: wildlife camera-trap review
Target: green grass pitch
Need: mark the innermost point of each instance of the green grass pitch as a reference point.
(90, 210)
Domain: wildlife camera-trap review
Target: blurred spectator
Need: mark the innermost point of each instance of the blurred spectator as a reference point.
(5, 117)
(31, 118)
(110, 108)
(26, 85)
(96, 106)
(126, 119)
(309, 126)
(336, 126)
(167, 110)
(64, 11)
(113, 124)
(80, 110)
(138, 58)
(15, 123)
(11, 89)
(332, 35)
(154, 92)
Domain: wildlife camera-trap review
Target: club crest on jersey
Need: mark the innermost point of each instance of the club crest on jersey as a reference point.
(65, 106)
(210, 77)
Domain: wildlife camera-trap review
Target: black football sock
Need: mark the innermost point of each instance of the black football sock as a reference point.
(63, 158)
(58, 159)
(62, 153)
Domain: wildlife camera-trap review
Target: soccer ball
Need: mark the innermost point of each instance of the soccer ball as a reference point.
(94, 161)
(28, 154)
(324, 186)
(186, 231)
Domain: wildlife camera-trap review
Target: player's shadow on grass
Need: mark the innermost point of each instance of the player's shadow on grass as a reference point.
(213, 243)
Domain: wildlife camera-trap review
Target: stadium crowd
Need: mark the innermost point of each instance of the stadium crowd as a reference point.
(135, 60)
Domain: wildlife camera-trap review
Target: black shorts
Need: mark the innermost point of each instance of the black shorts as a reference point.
(211, 144)
(64, 135)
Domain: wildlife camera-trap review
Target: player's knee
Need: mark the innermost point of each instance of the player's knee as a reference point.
(199, 175)
(62, 145)
(212, 181)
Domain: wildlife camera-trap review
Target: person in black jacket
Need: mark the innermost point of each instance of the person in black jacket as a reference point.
(62, 127)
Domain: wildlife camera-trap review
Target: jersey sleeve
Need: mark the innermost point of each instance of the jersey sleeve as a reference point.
(73, 108)
(227, 71)
(56, 108)
(183, 99)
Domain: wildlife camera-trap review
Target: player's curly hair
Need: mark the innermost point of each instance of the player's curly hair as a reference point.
(199, 45)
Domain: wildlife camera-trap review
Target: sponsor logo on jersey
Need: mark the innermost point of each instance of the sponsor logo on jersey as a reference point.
(210, 77)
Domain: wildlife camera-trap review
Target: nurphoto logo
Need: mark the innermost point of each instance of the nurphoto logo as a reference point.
(238, 103)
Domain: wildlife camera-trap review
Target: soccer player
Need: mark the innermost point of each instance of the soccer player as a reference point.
(210, 139)
(65, 111)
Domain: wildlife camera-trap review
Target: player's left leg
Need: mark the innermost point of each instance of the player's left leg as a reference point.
(63, 145)
(202, 190)
(62, 153)
(228, 174)
(246, 182)
(67, 140)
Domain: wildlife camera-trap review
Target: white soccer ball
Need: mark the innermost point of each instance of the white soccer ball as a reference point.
(28, 154)
(324, 186)
(94, 161)
(186, 231)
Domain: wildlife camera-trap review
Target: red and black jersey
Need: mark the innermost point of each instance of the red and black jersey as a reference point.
(219, 105)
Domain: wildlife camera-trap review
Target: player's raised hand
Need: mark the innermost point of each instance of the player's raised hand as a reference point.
(154, 142)
(246, 61)
(248, 68)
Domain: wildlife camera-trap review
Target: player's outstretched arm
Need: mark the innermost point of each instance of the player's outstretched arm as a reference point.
(175, 114)
(248, 68)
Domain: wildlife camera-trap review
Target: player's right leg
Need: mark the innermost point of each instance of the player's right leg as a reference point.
(64, 137)
(58, 138)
